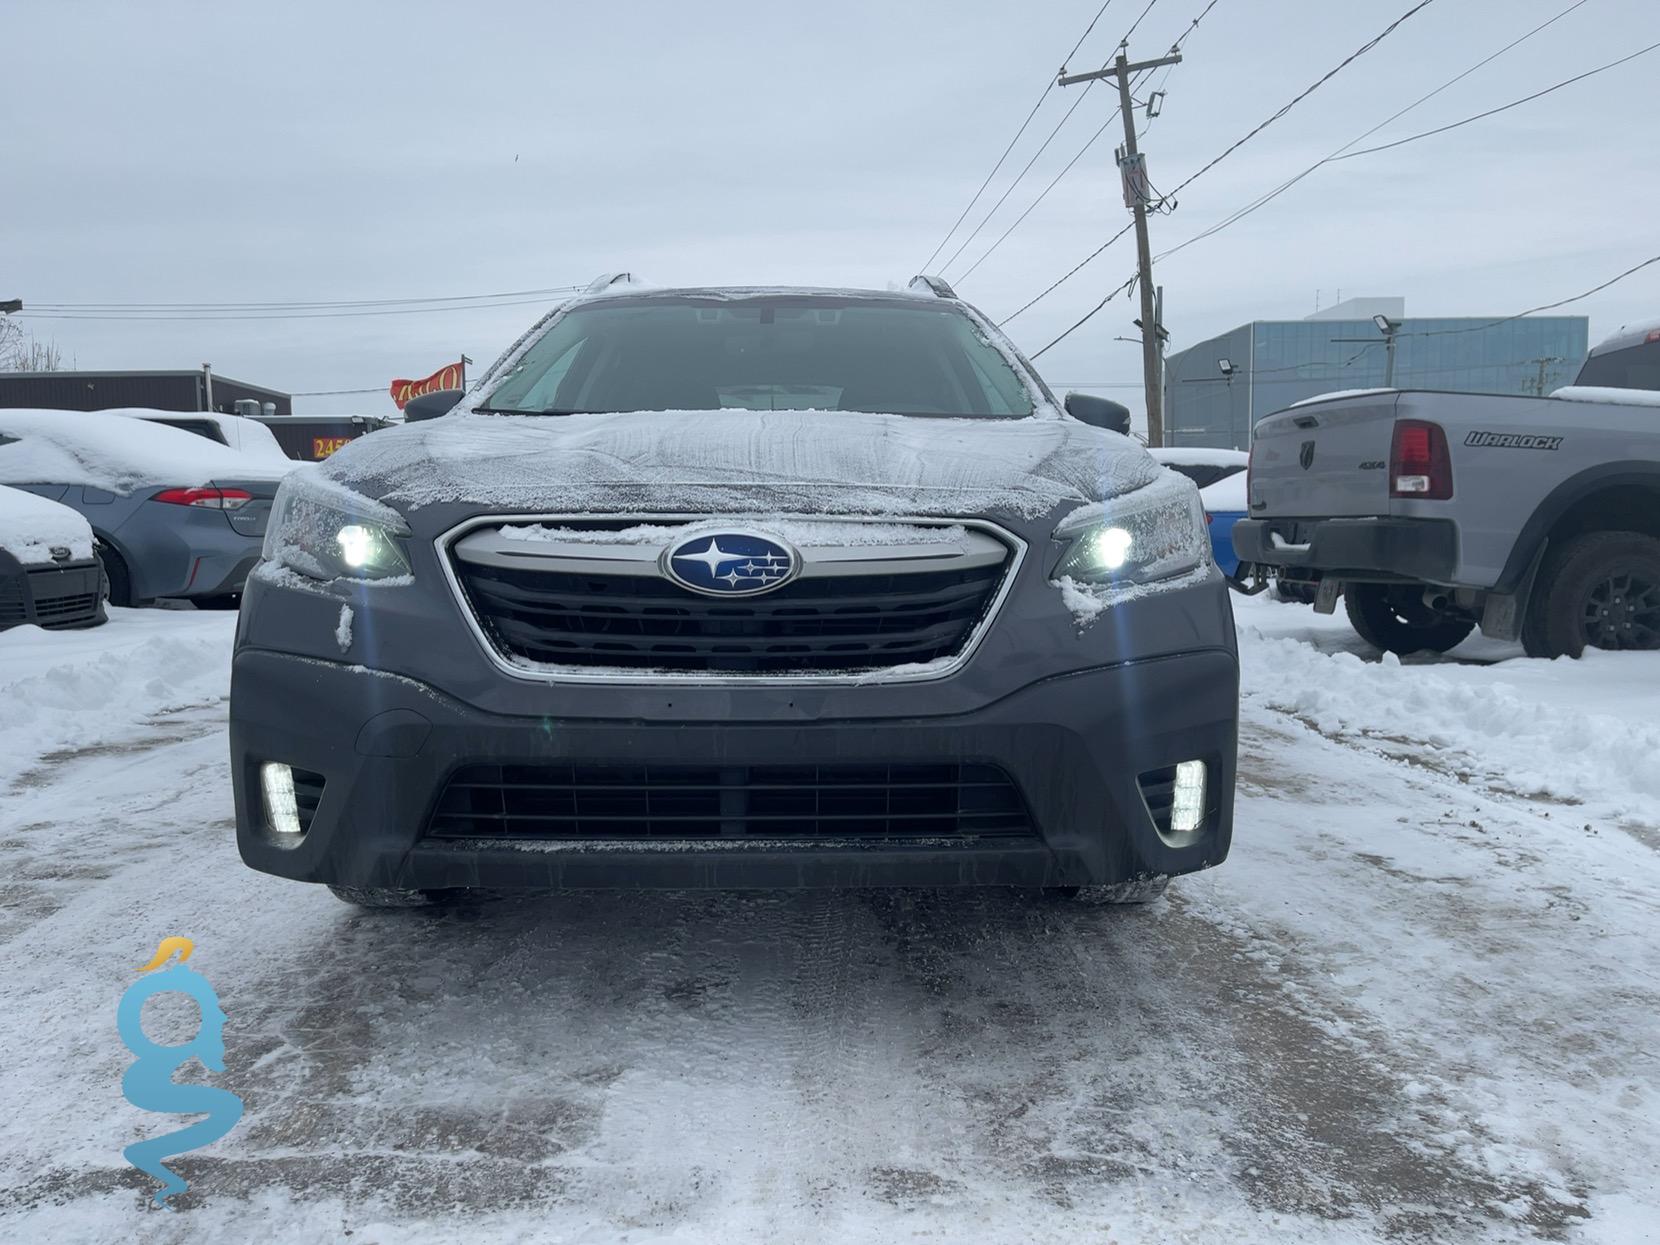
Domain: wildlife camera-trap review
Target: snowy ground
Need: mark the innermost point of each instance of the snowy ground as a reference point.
(1418, 1003)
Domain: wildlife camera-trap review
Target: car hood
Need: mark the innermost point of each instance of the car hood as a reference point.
(744, 461)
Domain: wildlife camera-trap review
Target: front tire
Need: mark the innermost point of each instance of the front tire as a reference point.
(1394, 618)
(1599, 590)
(385, 898)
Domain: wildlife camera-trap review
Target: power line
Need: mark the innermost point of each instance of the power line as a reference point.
(329, 393)
(279, 315)
(298, 306)
(1048, 86)
(1087, 317)
(1275, 193)
(1561, 302)
(1327, 77)
(1020, 176)
(1075, 268)
(1044, 193)
(1349, 60)
(1589, 73)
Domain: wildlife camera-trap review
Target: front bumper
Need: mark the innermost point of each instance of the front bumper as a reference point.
(1074, 744)
(1418, 550)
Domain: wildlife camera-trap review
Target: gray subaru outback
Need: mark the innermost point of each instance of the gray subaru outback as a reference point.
(739, 588)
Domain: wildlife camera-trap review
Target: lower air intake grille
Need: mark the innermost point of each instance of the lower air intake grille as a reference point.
(1158, 788)
(308, 793)
(620, 802)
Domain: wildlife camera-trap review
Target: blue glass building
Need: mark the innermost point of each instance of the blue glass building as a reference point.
(1273, 363)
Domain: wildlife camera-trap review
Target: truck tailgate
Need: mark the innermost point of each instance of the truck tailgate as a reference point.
(1325, 459)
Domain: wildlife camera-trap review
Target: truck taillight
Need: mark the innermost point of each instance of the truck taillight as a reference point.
(1419, 464)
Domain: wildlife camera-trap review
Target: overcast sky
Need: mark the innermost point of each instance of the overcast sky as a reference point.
(220, 152)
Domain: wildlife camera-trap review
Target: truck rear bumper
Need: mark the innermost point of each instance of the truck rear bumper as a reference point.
(1419, 550)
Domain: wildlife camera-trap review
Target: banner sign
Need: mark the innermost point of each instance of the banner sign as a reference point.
(446, 377)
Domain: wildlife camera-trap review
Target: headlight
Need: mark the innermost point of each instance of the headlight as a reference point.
(325, 531)
(1154, 533)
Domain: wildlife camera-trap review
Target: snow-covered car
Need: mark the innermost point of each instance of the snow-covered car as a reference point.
(739, 588)
(1220, 475)
(172, 514)
(248, 436)
(48, 575)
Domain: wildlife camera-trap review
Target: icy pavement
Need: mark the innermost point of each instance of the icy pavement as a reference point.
(1419, 1002)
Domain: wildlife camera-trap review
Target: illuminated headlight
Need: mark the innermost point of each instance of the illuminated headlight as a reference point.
(1153, 533)
(324, 531)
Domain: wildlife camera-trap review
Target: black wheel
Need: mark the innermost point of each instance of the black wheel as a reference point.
(386, 897)
(1599, 590)
(222, 601)
(1394, 618)
(115, 574)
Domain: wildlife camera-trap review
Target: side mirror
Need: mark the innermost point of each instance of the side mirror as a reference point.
(1096, 412)
(431, 405)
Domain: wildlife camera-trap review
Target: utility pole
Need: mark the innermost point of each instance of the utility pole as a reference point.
(1539, 385)
(1137, 192)
(1389, 328)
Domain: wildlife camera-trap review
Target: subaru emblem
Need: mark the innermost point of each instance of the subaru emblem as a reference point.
(730, 564)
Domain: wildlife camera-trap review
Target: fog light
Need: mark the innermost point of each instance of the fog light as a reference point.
(277, 783)
(1187, 809)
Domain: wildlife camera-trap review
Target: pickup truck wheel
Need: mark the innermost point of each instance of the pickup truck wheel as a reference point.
(1599, 590)
(1394, 618)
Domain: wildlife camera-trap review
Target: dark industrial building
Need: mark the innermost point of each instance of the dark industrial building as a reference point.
(199, 390)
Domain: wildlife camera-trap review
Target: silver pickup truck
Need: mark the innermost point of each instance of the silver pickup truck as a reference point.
(1433, 513)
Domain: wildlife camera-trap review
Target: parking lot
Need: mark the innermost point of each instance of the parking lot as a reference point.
(1413, 1005)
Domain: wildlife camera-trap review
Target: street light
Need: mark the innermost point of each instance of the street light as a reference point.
(1388, 328)
(11, 305)
(1225, 366)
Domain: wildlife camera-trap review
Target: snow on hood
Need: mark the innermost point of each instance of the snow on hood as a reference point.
(1199, 456)
(744, 461)
(1602, 393)
(30, 526)
(115, 453)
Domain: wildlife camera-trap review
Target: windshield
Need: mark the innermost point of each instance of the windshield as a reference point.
(1635, 367)
(763, 354)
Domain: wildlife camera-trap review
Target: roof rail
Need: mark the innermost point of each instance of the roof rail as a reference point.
(934, 285)
(606, 279)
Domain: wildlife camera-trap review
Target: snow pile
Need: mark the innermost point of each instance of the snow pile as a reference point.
(30, 527)
(343, 629)
(1602, 393)
(101, 450)
(1573, 731)
(247, 436)
(68, 690)
(743, 461)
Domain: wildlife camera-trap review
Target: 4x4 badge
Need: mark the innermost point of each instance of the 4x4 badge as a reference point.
(1306, 456)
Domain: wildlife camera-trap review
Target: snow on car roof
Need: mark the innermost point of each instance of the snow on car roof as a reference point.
(105, 451)
(30, 526)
